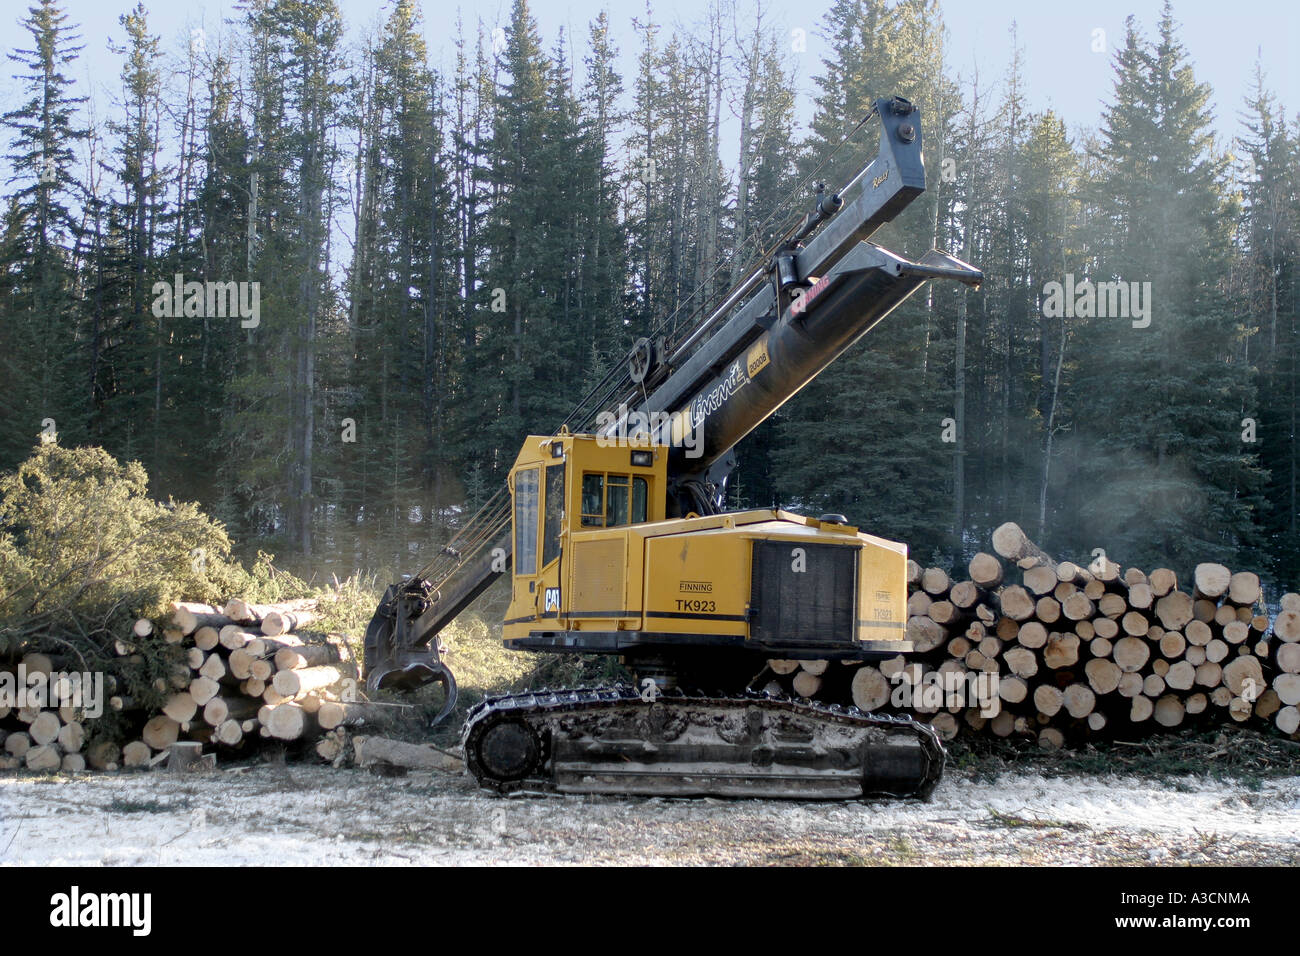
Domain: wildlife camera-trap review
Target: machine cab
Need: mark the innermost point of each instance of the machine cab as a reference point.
(565, 484)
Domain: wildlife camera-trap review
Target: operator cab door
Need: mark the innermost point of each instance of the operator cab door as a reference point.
(538, 519)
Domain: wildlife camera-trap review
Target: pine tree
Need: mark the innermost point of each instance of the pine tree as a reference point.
(865, 437)
(296, 60)
(471, 120)
(130, 410)
(45, 387)
(766, 180)
(602, 262)
(530, 349)
(400, 295)
(862, 65)
(512, 306)
(1043, 195)
(644, 209)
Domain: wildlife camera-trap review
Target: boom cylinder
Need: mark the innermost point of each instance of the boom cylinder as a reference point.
(838, 310)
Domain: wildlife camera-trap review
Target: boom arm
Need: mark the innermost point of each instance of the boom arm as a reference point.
(811, 303)
(820, 291)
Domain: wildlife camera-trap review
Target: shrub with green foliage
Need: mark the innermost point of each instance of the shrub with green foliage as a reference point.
(84, 550)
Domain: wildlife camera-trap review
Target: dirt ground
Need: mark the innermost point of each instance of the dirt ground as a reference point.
(304, 814)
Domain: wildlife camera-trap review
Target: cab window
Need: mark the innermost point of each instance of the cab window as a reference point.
(640, 499)
(593, 501)
(611, 500)
(554, 513)
(526, 495)
(616, 499)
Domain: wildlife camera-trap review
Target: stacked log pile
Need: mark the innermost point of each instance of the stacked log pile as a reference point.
(41, 738)
(1070, 651)
(242, 676)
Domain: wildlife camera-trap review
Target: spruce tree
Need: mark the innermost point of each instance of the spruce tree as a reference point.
(1270, 241)
(1159, 468)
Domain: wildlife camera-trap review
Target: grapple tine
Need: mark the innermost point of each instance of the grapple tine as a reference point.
(448, 681)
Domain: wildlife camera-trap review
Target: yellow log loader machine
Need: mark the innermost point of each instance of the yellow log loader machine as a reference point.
(615, 539)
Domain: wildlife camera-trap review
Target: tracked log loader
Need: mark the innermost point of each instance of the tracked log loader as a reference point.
(615, 539)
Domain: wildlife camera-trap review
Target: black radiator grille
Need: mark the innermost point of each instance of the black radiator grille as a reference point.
(814, 605)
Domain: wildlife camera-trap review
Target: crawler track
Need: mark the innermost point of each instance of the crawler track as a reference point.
(610, 740)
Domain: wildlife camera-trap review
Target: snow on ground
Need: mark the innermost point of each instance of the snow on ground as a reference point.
(296, 814)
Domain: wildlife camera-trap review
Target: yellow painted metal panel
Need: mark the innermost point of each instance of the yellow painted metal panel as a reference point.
(598, 575)
(882, 589)
(697, 584)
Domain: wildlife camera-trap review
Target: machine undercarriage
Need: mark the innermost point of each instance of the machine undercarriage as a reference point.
(619, 739)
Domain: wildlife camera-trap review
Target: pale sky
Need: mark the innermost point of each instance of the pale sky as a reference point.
(1061, 69)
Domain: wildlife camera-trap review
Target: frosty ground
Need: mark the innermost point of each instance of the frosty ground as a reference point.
(269, 814)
